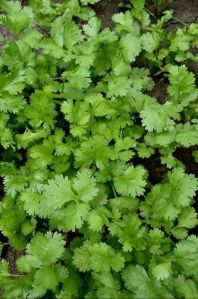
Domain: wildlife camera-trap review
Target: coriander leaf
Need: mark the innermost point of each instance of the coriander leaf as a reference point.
(134, 277)
(94, 150)
(150, 41)
(186, 253)
(16, 18)
(131, 181)
(52, 249)
(11, 103)
(131, 46)
(57, 192)
(98, 257)
(85, 185)
(162, 271)
(92, 27)
(156, 117)
(70, 218)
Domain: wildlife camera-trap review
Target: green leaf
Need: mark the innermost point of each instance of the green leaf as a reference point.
(49, 283)
(70, 218)
(156, 117)
(71, 34)
(131, 47)
(180, 42)
(186, 287)
(57, 192)
(16, 18)
(98, 218)
(182, 85)
(188, 218)
(57, 32)
(31, 202)
(92, 28)
(11, 103)
(52, 243)
(85, 185)
(186, 254)
(124, 22)
(95, 202)
(183, 186)
(162, 271)
(134, 277)
(118, 86)
(98, 257)
(187, 134)
(94, 150)
(129, 232)
(131, 181)
(150, 41)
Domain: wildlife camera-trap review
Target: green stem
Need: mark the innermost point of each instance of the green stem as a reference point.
(58, 102)
(151, 13)
(58, 96)
(179, 21)
(11, 275)
(158, 73)
(4, 244)
(114, 192)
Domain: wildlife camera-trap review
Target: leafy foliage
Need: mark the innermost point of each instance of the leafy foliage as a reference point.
(80, 124)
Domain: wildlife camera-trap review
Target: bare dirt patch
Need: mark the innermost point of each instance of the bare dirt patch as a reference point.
(11, 256)
(186, 10)
(105, 9)
(160, 91)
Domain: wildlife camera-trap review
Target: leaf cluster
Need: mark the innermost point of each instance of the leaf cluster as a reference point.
(79, 124)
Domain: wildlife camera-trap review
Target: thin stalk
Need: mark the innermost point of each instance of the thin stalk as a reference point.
(151, 13)
(114, 192)
(180, 21)
(11, 275)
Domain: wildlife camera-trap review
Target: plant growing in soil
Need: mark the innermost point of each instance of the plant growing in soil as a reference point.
(160, 5)
(93, 195)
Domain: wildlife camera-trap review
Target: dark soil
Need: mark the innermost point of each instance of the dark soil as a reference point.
(193, 66)
(185, 10)
(156, 170)
(105, 9)
(185, 156)
(11, 256)
(160, 91)
(4, 35)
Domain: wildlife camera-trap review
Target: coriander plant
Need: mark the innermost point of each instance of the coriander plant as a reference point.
(79, 124)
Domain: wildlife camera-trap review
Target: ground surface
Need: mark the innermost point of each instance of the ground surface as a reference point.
(186, 11)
